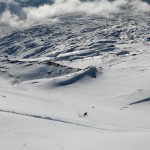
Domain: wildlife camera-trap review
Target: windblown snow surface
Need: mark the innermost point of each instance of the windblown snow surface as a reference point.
(61, 59)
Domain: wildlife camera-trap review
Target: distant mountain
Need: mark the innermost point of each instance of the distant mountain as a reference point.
(34, 3)
(13, 8)
(148, 1)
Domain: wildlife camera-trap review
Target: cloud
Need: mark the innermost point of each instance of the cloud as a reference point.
(15, 15)
(140, 6)
(62, 7)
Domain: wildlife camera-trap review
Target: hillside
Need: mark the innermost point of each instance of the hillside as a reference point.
(74, 80)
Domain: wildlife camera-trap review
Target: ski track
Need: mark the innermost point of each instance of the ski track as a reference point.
(56, 120)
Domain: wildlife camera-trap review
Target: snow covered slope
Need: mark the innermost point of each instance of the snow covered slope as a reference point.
(55, 71)
(43, 113)
(25, 70)
(77, 37)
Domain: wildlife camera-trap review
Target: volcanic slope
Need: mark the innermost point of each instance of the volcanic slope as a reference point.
(77, 65)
